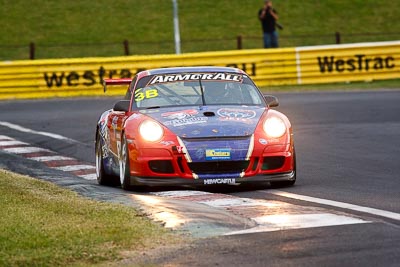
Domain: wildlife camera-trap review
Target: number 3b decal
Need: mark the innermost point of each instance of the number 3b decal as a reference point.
(149, 93)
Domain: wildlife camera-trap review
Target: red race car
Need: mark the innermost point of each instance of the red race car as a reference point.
(193, 125)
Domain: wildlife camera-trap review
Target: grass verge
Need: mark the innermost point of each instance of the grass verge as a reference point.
(97, 28)
(45, 225)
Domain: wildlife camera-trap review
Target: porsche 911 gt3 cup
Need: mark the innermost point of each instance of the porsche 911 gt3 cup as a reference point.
(193, 126)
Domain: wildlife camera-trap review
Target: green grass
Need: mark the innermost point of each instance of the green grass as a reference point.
(61, 28)
(44, 225)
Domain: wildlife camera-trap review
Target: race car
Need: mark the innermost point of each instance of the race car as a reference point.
(193, 126)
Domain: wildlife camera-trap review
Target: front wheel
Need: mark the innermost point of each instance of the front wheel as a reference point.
(124, 168)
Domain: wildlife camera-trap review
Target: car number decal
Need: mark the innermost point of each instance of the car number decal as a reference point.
(149, 93)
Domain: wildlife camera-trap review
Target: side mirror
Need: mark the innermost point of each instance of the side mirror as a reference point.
(271, 100)
(122, 105)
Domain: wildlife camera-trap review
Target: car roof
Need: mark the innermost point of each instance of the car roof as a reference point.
(192, 69)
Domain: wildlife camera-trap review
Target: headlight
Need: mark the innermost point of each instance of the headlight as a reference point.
(151, 131)
(274, 127)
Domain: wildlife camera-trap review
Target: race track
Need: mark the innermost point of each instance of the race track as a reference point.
(347, 146)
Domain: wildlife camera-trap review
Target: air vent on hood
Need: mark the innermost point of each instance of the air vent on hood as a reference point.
(209, 114)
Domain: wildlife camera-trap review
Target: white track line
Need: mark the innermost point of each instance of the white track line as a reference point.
(8, 144)
(92, 176)
(309, 220)
(268, 215)
(382, 213)
(25, 150)
(12, 143)
(74, 168)
(297, 221)
(50, 158)
(231, 202)
(26, 130)
(5, 137)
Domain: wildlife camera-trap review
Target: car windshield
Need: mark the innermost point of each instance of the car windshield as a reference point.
(196, 89)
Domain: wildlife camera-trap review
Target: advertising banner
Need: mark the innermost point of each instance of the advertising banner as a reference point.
(267, 67)
(347, 63)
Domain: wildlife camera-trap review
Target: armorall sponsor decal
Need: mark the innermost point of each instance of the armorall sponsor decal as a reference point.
(197, 76)
(356, 63)
(218, 154)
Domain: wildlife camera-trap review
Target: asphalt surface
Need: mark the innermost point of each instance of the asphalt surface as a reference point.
(347, 146)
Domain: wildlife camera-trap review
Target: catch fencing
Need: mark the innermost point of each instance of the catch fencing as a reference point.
(267, 67)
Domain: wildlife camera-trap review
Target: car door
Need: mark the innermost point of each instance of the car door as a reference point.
(115, 126)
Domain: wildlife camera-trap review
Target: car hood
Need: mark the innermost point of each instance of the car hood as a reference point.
(209, 121)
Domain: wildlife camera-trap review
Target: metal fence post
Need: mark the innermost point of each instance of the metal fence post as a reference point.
(31, 50)
(337, 36)
(239, 42)
(126, 47)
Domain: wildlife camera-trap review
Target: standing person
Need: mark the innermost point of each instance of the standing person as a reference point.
(268, 17)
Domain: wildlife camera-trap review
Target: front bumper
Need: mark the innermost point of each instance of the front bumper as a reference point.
(171, 166)
(171, 181)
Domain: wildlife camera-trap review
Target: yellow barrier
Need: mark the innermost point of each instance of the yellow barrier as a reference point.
(346, 63)
(302, 65)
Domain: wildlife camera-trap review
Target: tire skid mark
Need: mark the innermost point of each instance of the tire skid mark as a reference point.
(49, 158)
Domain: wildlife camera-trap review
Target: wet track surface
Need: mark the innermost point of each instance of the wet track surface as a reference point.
(347, 146)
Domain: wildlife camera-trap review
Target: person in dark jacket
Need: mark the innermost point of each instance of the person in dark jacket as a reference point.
(268, 17)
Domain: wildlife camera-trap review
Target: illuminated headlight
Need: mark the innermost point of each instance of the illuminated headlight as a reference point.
(151, 131)
(274, 127)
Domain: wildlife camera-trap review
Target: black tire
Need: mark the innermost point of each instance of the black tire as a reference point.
(124, 168)
(102, 177)
(289, 182)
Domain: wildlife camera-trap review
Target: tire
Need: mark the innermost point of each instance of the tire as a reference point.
(289, 182)
(124, 168)
(102, 177)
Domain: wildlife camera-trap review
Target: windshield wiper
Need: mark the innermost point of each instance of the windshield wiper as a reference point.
(153, 107)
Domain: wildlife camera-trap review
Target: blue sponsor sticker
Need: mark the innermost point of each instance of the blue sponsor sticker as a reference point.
(218, 154)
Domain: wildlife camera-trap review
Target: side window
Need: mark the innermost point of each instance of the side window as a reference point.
(130, 89)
